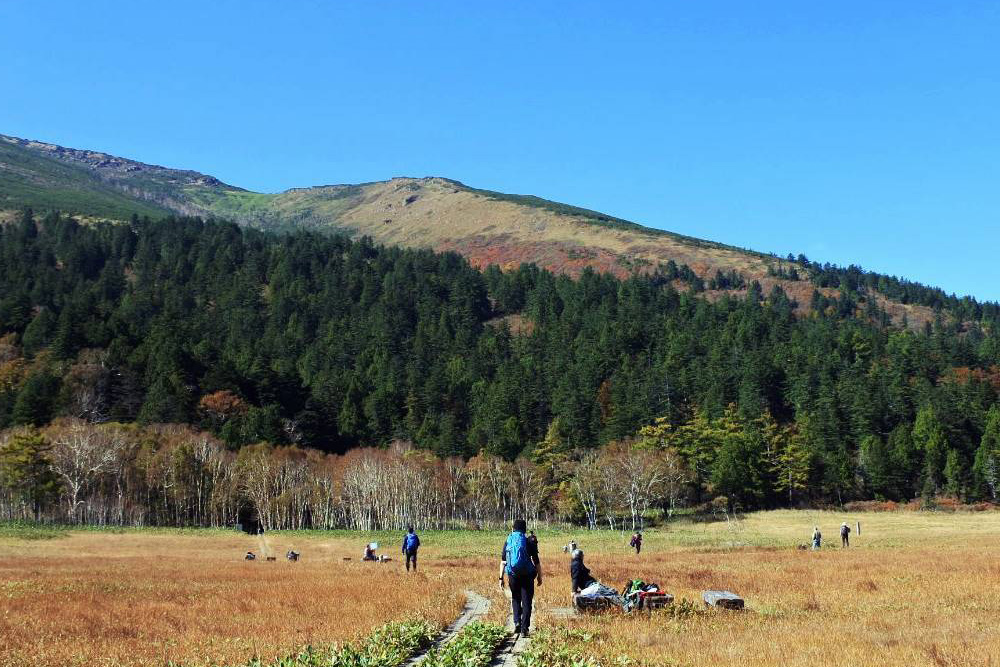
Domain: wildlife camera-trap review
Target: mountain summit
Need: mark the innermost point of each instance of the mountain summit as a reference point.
(486, 227)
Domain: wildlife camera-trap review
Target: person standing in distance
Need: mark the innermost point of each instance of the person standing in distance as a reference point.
(636, 542)
(845, 535)
(519, 561)
(410, 545)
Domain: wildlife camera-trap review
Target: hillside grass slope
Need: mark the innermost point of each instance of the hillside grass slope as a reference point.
(437, 213)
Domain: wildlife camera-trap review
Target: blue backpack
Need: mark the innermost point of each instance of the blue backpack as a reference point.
(518, 560)
(411, 542)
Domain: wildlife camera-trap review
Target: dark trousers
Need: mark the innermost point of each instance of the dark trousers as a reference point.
(411, 555)
(638, 547)
(522, 592)
(845, 541)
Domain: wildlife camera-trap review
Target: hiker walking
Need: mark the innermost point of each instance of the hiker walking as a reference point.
(845, 532)
(636, 542)
(410, 545)
(519, 561)
(817, 538)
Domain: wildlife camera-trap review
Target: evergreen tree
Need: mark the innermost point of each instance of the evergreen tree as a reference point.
(738, 471)
(334, 343)
(986, 468)
(791, 467)
(877, 467)
(35, 404)
(929, 438)
(39, 332)
(955, 474)
(25, 471)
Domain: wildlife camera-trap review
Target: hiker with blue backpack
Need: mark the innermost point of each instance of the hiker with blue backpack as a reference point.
(410, 545)
(519, 561)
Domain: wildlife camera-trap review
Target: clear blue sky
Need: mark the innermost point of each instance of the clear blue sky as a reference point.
(865, 132)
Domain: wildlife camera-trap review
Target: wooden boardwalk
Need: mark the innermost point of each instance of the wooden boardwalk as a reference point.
(476, 607)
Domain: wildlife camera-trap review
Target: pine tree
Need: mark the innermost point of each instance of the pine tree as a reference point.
(738, 471)
(986, 468)
(35, 403)
(39, 332)
(553, 452)
(875, 462)
(955, 474)
(25, 471)
(929, 438)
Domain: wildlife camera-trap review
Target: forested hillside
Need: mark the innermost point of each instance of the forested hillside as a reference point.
(485, 227)
(330, 343)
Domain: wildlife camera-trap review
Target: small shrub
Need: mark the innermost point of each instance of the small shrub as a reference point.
(473, 647)
(872, 506)
(388, 646)
(684, 608)
(557, 647)
(23, 530)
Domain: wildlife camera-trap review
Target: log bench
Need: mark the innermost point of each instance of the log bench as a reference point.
(655, 600)
(722, 600)
(648, 601)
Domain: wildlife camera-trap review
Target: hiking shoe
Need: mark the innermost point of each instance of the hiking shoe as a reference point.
(517, 629)
(524, 633)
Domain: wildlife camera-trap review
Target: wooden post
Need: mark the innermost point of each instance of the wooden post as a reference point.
(859, 528)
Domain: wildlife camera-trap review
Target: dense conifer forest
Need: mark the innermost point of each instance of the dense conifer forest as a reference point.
(330, 344)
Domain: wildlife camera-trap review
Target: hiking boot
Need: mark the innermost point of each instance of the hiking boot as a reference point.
(517, 629)
(524, 633)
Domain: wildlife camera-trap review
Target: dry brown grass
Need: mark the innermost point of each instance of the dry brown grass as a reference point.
(143, 599)
(916, 589)
(853, 608)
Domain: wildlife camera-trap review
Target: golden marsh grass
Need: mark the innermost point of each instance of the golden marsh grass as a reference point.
(914, 589)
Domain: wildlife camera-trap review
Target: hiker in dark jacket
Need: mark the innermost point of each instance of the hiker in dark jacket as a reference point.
(845, 532)
(519, 561)
(636, 542)
(410, 545)
(579, 573)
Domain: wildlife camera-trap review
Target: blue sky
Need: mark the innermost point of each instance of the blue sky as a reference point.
(853, 132)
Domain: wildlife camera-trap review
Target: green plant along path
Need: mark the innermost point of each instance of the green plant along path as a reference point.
(388, 646)
(474, 646)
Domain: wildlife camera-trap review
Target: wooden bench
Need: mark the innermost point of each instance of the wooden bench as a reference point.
(722, 600)
(655, 600)
(648, 601)
(593, 604)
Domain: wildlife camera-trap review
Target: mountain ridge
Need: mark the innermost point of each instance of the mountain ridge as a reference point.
(435, 212)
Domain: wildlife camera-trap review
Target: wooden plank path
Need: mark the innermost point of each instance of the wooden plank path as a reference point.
(510, 651)
(476, 607)
(514, 645)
